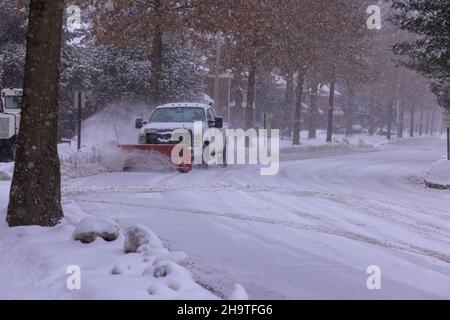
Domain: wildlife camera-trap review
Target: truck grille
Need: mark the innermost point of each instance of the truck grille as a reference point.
(4, 128)
(159, 138)
(162, 137)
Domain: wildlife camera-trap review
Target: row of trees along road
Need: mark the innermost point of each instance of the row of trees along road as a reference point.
(307, 42)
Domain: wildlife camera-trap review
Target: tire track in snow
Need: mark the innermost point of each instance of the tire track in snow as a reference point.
(377, 208)
(79, 191)
(373, 207)
(397, 245)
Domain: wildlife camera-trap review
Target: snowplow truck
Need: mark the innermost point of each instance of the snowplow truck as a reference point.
(10, 107)
(156, 133)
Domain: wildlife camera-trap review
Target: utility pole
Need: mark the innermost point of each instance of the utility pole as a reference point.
(79, 120)
(265, 120)
(448, 143)
(447, 125)
(397, 126)
(79, 101)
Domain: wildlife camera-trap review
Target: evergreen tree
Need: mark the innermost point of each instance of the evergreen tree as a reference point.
(429, 53)
(12, 44)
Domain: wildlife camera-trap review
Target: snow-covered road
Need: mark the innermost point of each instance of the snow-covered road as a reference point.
(309, 232)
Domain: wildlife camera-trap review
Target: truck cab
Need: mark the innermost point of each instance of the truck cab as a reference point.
(169, 117)
(10, 109)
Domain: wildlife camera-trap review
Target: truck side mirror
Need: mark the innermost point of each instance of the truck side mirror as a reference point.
(219, 122)
(139, 123)
(211, 124)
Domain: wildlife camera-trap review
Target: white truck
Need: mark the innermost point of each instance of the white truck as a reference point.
(10, 107)
(156, 132)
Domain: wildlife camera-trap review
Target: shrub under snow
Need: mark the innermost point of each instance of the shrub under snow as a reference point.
(140, 239)
(169, 277)
(120, 268)
(92, 227)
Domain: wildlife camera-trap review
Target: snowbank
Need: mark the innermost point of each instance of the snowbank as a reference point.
(438, 177)
(87, 162)
(39, 263)
(335, 145)
(81, 165)
(97, 159)
(340, 142)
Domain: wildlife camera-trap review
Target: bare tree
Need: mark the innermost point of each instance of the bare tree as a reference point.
(296, 40)
(142, 24)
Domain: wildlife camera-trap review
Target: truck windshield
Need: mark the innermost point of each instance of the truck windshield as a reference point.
(178, 115)
(13, 102)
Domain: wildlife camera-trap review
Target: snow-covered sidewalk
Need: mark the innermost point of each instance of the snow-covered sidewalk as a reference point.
(37, 263)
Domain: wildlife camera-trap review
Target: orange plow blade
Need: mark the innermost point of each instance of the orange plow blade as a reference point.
(164, 150)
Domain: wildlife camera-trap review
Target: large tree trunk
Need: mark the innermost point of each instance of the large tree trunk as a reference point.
(298, 108)
(35, 197)
(156, 59)
(250, 109)
(289, 101)
(289, 96)
(313, 111)
(330, 122)
(389, 119)
(412, 121)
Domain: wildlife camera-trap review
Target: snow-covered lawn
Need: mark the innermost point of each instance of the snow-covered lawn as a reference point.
(309, 232)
